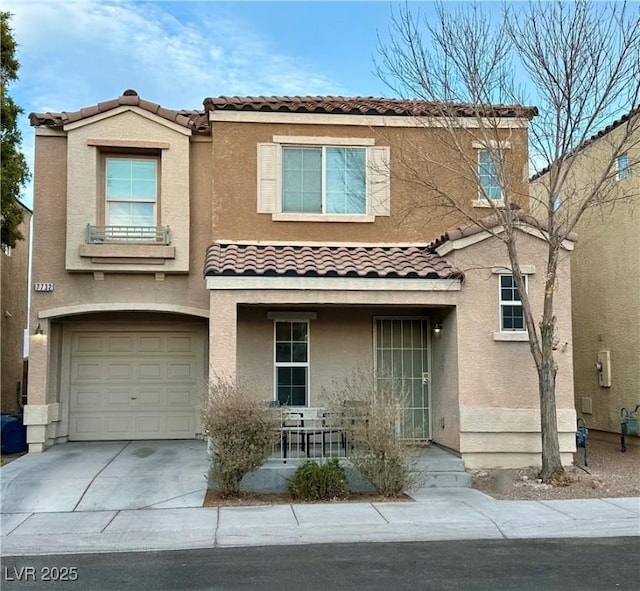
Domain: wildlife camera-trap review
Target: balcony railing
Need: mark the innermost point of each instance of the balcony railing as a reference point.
(128, 234)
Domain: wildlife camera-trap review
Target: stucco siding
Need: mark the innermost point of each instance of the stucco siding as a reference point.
(236, 216)
(84, 192)
(501, 375)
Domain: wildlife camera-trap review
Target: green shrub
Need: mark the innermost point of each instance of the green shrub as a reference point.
(243, 430)
(319, 482)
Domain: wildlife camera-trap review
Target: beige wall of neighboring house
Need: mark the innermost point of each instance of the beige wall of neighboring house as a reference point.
(14, 290)
(605, 282)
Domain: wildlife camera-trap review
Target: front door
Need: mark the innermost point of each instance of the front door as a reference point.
(402, 355)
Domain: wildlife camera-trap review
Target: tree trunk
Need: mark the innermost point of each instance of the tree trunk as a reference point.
(551, 463)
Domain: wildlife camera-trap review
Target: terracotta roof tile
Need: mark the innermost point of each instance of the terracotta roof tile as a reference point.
(495, 219)
(363, 106)
(235, 259)
(195, 120)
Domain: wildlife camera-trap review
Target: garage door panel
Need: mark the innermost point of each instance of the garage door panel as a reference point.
(118, 370)
(134, 384)
(88, 344)
(151, 344)
(181, 370)
(151, 399)
(85, 398)
(88, 370)
(177, 344)
(120, 344)
(179, 398)
(177, 424)
(120, 398)
(150, 370)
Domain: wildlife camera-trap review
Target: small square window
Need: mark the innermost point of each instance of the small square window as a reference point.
(511, 312)
(622, 166)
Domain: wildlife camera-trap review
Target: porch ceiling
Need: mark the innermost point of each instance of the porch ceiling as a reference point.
(411, 262)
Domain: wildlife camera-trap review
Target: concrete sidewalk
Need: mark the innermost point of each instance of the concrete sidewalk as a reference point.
(437, 514)
(148, 495)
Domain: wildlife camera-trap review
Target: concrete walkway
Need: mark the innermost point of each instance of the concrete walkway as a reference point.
(106, 497)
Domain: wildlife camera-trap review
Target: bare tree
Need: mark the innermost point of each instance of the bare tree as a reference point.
(580, 62)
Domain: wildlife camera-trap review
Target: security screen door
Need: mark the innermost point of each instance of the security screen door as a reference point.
(402, 357)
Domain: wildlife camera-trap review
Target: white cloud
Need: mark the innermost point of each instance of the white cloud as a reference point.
(77, 53)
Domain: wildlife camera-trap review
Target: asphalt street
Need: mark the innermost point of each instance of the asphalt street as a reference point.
(493, 565)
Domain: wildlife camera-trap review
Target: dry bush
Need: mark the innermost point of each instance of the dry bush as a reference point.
(243, 429)
(370, 415)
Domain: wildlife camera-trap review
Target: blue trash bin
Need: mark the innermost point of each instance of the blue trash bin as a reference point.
(13, 434)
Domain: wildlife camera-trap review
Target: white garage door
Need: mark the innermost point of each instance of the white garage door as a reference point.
(134, 384)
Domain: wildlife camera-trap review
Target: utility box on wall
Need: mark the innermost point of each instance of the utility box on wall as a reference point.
(604, 369)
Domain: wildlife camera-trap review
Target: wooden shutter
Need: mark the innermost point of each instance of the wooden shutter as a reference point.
(379, 181)
(268, 172)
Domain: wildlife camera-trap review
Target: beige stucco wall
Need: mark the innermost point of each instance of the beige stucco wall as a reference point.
(134, 128)
(77, 294)
(606, 308)
(498, 387)
(605, 278)
(14, 286)
(235, 212)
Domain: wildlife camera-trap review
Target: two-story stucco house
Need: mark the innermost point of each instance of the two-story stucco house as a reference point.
(605, 278)
(274, 239)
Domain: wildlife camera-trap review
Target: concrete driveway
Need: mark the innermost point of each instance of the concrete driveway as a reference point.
(103, 476)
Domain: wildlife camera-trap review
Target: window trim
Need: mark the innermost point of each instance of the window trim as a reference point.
(323, 180)
(105, 155)
(622, 172)
(482, 200)
(270, 178)
(502, 303)
(307, 364)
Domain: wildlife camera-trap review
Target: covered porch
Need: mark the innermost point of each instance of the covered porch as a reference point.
(298, 338)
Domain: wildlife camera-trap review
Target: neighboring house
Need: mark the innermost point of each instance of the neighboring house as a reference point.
(297, 211)
(605, 283)
(14, 287)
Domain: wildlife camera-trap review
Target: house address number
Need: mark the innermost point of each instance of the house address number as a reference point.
(43, 286)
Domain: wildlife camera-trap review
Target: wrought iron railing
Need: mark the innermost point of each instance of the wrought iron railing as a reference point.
(128, 234)
(305, 435)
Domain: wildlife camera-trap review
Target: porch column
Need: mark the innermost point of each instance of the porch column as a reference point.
(223, 334)
(36, 412)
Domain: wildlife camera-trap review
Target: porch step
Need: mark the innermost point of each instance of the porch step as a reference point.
(440, 468)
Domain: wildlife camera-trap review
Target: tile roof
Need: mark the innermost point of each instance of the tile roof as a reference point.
(194, 120)
(362, 106)
(198, 120)
(415, 262)
(519, 215)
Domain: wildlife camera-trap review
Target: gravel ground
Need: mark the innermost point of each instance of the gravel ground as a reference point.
(610, 474)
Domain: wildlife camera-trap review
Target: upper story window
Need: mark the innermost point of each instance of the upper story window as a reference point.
(488, 175)
(324, 180)
(511, 312)
(131, 191)
(622, 166)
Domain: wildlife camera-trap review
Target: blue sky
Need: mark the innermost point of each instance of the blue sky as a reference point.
(76, 53)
